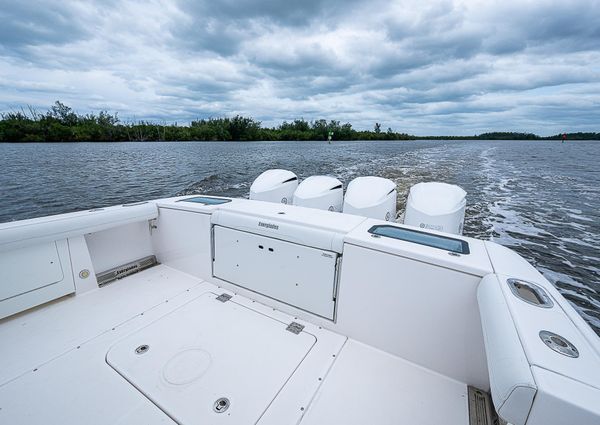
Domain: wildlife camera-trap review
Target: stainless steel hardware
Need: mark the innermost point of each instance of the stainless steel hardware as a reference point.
(221, 405)
(559, 344)
(530, 293)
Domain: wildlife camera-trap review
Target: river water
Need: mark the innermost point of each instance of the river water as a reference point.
(541, 198)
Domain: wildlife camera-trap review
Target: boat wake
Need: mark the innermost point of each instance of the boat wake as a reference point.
(526, 212)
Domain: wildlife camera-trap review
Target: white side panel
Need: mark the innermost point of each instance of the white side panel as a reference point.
(420, 312)
(27, 269)
(119, 245)
(82, 267)
(34, 275)
(561, 401)
(295, 274)
(182, 240)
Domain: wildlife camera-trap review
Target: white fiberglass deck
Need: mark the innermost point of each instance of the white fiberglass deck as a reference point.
(368, 386)
(74, 361)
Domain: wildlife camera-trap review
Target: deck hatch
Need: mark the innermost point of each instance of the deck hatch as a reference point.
(207, 351)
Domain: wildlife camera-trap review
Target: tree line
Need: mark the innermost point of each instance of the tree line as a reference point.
(62, 124)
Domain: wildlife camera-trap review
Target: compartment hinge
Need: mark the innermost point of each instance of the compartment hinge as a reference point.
(152, 225)
(295, 328)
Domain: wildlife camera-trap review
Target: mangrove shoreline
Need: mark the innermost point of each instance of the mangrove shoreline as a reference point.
(61, 124)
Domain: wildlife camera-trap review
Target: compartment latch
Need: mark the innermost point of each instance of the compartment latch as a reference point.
(224, 298)
(295, 328)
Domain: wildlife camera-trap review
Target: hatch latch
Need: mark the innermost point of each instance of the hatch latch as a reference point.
(295, 328)
(224, 298)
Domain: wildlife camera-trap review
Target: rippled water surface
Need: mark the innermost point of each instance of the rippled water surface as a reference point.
(540, 198)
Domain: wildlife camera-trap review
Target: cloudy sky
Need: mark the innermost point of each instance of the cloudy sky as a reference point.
(422, 67)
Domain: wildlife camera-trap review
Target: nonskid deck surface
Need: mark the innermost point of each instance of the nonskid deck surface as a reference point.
(74, 361)
(368, 386)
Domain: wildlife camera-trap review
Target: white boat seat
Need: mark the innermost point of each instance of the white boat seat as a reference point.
(511, 381)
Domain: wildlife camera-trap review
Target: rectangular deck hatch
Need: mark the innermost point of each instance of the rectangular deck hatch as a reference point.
(211, 362)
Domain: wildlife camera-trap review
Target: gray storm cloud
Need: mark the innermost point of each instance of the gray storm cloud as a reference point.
(441, 67)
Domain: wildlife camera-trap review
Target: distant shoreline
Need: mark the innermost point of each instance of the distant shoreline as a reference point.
(440, 139)
(61, 124)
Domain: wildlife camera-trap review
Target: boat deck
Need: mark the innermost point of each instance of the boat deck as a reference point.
(75, 361)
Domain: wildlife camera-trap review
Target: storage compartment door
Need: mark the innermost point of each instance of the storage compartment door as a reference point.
(33, 275)
(294, 274)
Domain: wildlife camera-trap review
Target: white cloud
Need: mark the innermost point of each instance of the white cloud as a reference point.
(438, 67)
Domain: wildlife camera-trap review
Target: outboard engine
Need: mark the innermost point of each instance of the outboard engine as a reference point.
(373, 197)
(274, 186)
(436, 206)
(321, 192)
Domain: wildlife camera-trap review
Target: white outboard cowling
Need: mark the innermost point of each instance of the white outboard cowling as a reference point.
(436, 206)
(274, 186)
(373, 197)
(321, 192)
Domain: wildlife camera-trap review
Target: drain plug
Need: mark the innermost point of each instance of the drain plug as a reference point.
(142, 349)
(221, 405)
